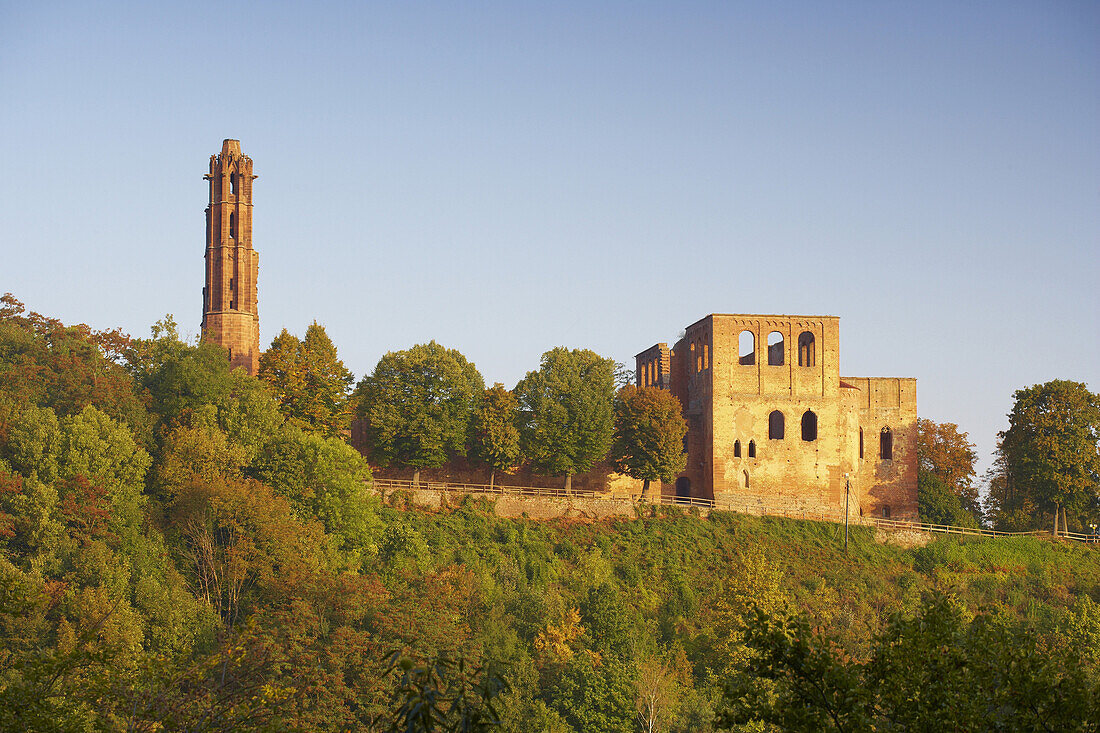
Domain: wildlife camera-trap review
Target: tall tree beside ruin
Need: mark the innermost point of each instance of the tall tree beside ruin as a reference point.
(945, 453)
(309, 380)
(417, 406)
(1050, 449)
(649, 435)
(566, 420)
(494, 438)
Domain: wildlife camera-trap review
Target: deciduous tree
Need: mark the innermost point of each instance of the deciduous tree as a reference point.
(309, 380)
(494, 435)
(417, 406)
(566, 419)
(944, 451)
(1051, 448)
(649, 435)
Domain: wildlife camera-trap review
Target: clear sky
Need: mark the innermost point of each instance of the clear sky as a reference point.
(510, 177)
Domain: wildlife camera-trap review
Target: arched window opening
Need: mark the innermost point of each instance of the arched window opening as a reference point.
(706, 355)
(752, 449)
(886, 445)
(232, 225)
(233, 177)
(746, 347)
(807, 354)
(737, 449)
(745, 474)
(775, 425)
(694, 359)
(861, 442)
(809, 426)
(775, 349)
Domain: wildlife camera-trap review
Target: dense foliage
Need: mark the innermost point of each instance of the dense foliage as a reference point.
(566, 411)
(175, 554)
(649, 434)
(1048, 460)
(309, 380)
(417, 405)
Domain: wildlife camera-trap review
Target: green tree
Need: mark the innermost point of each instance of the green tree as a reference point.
(417, 406)
(937, 503)
(309, 380)
(494, 435)
(944, 451)
(649, 435)
(323, 478)
(1050, 449)
(566, 421)
(66, 368)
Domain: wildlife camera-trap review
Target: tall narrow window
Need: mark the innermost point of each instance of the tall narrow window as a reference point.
(694, 359)
(233, 182)
(809, 426)
(775, 349)
(706, 355)
(775, 425)
(232, 225)
(746, 348)
(807, 355)
(737, 449)
(752, 449)
(886, 445)
(861, 442)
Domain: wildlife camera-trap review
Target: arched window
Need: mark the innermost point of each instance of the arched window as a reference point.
(746, 475)
(746, 347)
(775, 425)
(775, 349)
(809, 426)
(807, 354)
(861, 442)
(694, 359)
(886, 445)
(752, 449)
(737, 449)
(233, 177)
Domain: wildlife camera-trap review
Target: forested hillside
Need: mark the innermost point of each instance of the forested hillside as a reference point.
(187, 548)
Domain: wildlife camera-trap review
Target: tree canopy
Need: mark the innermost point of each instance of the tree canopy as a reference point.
(417, 405)
(310, 382)
(948, 455)
(566, 411)
(494, 437)
(649, 434)
(1051, 460)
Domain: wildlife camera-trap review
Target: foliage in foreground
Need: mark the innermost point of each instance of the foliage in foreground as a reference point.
(175, 554)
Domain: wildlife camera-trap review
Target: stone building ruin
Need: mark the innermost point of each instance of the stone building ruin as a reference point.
(230, 312)
(770, 416)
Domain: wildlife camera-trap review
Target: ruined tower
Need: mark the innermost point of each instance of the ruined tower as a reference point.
(230, 317)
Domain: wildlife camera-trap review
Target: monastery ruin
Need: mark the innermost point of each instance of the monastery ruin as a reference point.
(769, 415)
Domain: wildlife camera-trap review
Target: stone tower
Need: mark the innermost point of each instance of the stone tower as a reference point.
(230, 317)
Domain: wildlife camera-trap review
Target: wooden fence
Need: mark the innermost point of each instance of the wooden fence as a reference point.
(756, 507)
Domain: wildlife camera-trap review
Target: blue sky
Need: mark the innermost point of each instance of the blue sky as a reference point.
(509, 177)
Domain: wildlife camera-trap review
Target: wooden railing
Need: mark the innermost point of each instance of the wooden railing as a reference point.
(758, 507)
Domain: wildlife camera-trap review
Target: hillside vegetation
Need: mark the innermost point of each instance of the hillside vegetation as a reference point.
(180, 549)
